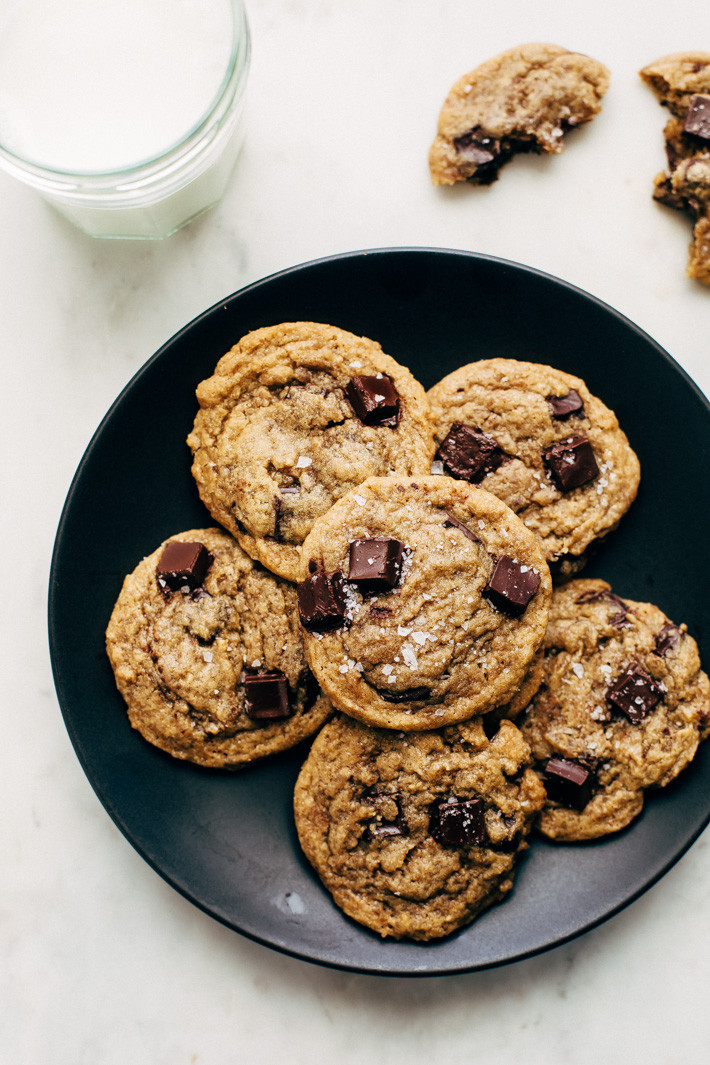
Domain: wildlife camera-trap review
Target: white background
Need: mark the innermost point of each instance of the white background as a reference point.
(102, 962)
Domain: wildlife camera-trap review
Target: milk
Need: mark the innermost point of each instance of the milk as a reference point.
(94, 87)
(89, 85)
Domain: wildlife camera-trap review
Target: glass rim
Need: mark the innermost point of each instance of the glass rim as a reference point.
(149, 168)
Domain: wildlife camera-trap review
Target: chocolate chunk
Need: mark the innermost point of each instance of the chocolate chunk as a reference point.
(375, 565)
(511, 586)
(311, 687)
(454, 523)
(407, 695)
(266, 696)
(697, 120)
(321, 601)
(667, 639)
(617, 620)
(562, 407)
(458, 822)
(569, 782)
(375, 400)
(634, 693)
(571, 462)
(468, 453)
(389, 819)
(182, 566)
(477, 147)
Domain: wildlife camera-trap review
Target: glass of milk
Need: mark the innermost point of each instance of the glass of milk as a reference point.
(126, 115)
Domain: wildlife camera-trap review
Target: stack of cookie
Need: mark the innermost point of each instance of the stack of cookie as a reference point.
(385, 581)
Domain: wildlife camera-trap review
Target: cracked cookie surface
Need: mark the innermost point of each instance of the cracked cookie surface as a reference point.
(210, 661)
(523, 100)
(681, 82)
(415, 835)
(507, 425)
(424, 602)
(294, 416)
(622, 707)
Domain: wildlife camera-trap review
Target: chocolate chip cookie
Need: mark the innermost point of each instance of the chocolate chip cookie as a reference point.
(206, 651)
(622, 708)
(294, 416)
(523, 100)
(414, 835)
(423, 602)
(682, 84)
(540, 441)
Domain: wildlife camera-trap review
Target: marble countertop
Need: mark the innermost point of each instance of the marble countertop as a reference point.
(103, 962)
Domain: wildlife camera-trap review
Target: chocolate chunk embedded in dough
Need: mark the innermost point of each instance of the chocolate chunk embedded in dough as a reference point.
(562, 407)
(568, 782)
(468, 453)
(375, 400)
(571, 462)
(634, 693)
(182, 566)
(512, 586)
(376, 564)
(266, 696)
(458, 823)
(321, 601)
(697, 121)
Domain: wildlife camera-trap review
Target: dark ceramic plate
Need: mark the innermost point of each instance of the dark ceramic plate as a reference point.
(227, 841)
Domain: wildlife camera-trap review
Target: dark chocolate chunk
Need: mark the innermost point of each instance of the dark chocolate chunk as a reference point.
(468, 453)
(375, 400)
(266, 696)
(321, 601)
(569, 782)
(458, 822)
(375, 565)
(667, 639)
(617, 620)
(182, 566)
(562, 407)
(477, 147)
(407, 695)
(697, 120)
(571, 462)
(454, 523)
(389, 819)
(634, 693)
(511, 586)
(310, 686)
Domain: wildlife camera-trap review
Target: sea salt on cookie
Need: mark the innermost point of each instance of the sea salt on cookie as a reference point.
(523, 100)
(206, 651)
(415, 835)
(423, 601)
(622, 708)
(294, 416)
(540, 441)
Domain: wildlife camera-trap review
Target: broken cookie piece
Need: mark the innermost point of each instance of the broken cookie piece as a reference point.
(682, 84)
(523, 100)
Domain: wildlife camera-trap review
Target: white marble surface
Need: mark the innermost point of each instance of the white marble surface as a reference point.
(103, 963)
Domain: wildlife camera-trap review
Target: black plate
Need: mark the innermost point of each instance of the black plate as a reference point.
(227, 841)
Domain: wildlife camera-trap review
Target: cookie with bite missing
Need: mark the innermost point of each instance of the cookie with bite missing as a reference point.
(524, 100)
(681, 82)
(207, 653)
(415, 835)
(423, 602)
(293, 417)
(538, 439)
(622, 708)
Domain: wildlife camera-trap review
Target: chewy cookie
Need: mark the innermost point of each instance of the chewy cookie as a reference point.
(206, 650)
(523, 100)
(423, 602)
(540, 441)
(414, 835)
(682, 84)
(294, 416)
(622, 707)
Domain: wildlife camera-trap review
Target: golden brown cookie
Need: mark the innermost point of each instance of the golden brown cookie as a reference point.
(415, 835)
(206, 650)
(681, 82)
(424, 602)
(622, 708)
(523, 100)
(540, 441)
(294, 416)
